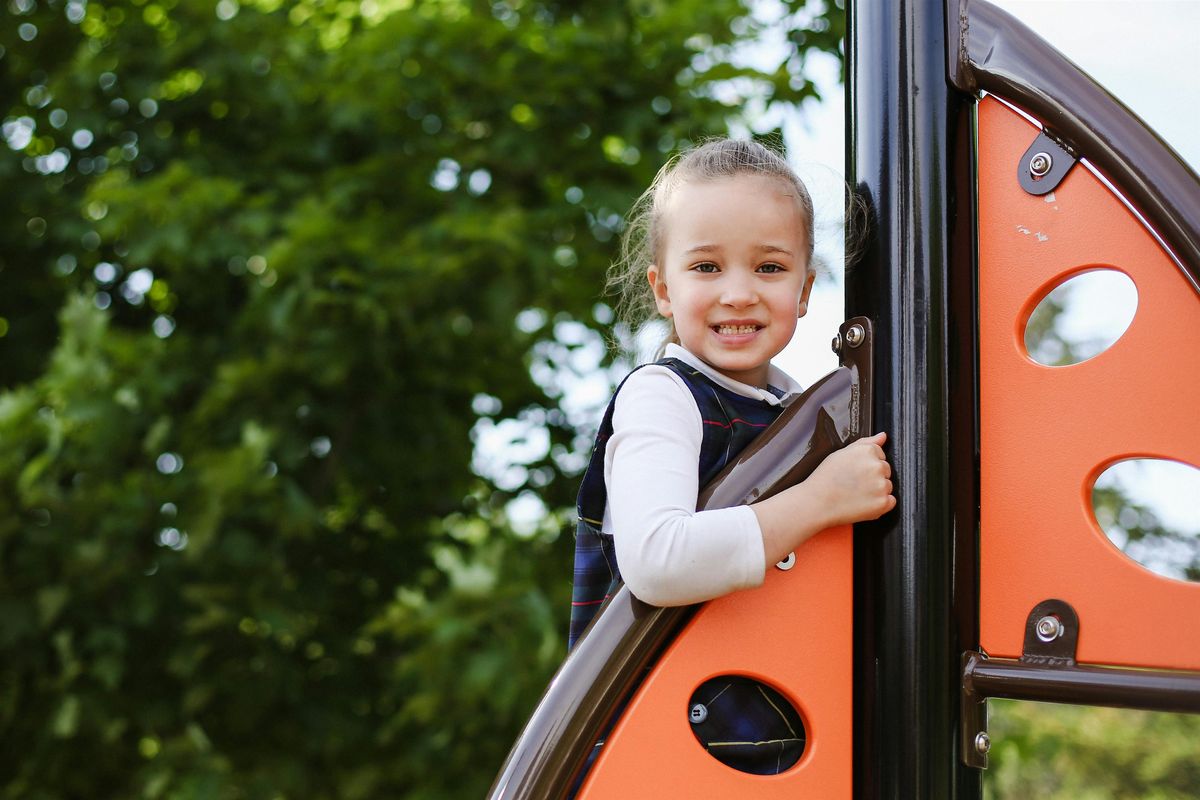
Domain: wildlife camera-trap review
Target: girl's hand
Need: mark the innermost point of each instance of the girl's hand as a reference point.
(855, 482)
(852, 485)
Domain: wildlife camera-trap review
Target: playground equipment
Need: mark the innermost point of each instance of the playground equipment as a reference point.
(991, 578)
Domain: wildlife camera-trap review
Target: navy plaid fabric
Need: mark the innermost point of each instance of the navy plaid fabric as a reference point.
(748, 725)
(730, 423)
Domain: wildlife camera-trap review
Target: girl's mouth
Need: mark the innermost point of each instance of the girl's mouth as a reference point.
(734, 330)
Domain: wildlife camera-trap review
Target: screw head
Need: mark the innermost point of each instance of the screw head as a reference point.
(983, 743)
(855, 335)
(698, 713)
(788, 562)
(836, 344)
(1049, 628)
(1040, 164)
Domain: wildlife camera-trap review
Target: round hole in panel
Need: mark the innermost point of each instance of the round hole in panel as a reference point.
(1147, 508)
(746, 724)
(1081, 317)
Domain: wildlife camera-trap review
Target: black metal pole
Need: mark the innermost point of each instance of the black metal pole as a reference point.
(912, 611)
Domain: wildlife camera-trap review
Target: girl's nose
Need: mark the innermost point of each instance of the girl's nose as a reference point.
(739, 291)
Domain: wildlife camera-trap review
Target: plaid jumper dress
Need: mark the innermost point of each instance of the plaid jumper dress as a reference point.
(744, 728)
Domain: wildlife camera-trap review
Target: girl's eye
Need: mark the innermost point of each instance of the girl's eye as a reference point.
(771, 267)
(707, 266)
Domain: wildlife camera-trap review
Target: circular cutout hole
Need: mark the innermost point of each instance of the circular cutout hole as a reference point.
(1081, 318)
(746, 724)
(1147, 508)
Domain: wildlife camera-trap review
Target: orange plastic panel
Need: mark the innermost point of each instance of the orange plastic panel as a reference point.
(1048, 432)
(794, 632)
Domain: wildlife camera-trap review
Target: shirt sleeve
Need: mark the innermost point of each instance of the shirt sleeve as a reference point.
(669, 553)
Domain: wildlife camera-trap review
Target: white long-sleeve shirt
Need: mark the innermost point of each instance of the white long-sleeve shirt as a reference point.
(669, 553)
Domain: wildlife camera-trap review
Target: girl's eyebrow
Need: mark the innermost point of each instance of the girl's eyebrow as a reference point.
(762, 248)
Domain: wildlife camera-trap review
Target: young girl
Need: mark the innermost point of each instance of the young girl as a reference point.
(720, 246)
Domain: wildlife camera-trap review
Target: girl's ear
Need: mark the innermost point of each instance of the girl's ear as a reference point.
(804, 293)
(658, 285)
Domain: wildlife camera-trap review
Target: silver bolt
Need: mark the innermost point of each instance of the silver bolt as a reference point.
(837, 344)
(855, 335)
(1040, 164)
(983, 743)
(788, 562)
(698, 713)
(1049, 628)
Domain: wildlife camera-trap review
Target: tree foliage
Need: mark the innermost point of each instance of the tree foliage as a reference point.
(1086, 753)
(269, 270)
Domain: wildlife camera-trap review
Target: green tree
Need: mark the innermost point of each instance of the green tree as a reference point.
(269, 270)
(1062, 752)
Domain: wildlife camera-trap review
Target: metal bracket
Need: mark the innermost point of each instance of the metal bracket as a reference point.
(974, 742)
(1051, 634)
(855, 346)
(1044, 165)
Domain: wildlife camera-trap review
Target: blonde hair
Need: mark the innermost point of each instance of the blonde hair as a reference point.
(641, 242)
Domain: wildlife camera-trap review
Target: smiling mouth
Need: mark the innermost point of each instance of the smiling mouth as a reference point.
(734, 330)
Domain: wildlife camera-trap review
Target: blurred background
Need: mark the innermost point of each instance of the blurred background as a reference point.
(303, 341)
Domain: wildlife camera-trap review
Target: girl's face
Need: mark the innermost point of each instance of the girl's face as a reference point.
(734, 271)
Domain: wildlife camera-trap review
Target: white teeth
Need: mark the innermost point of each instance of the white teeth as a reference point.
(731, 330)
